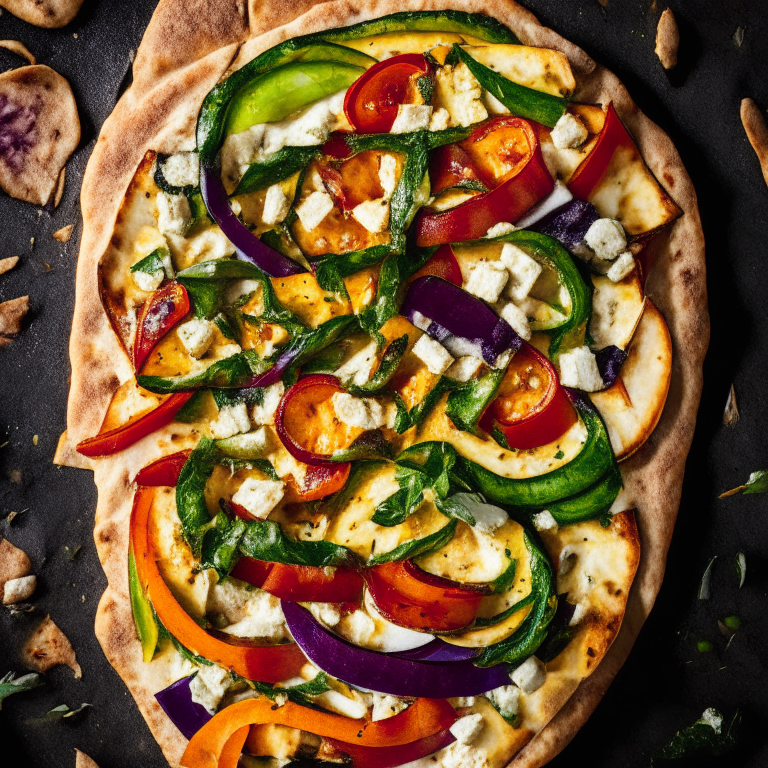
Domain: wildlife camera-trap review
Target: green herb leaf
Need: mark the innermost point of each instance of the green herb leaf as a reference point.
(741, 568)
(705, 588)
(283, 164)
(390, 360)
(10, 684)
(704, 646)
(732, 622)
(63, 711)
(220, 543)
(152, 263)
(706, 735)
(757, 483)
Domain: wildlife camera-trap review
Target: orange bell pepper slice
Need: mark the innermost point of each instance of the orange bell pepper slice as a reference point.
(423, 718)
(269, 664)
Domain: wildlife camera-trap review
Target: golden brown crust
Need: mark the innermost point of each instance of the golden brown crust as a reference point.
(83, 761)
(754, 124)
(12, 314)
(161, 116)
(19, 49)
(667, 39)
(44, 13)
(8, 264)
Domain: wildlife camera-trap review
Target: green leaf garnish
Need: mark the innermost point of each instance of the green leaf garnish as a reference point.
(741, 568)
(10, 684)
(706, 735)
(757, 483)
(705, 588)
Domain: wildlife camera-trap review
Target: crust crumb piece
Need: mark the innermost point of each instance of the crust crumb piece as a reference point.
(12, 313)
(83, 761)
(47, 647)
(63, 234)
(14, 563)
(19, 49)
(667, 39)
(753, 121)
(6, 265)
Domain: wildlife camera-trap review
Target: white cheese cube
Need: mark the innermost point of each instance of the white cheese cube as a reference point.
(713, 719)
(362, 412)
(578, 369)
(18, 590)
(209, 685)
(276, 205)
(494, 106)
(182, 169)
(411, 117)
(606, 238)
(232, 420)
(307, 128)
(459, 91)
(440, 120)
(209, 245)
(357, 368)
(263, 617)
(487, 280)
(433, 354)
(457, 702)
(342, 705)
(523, 271)
(326, 613)
(313, 209)
(259, 497)
(196, 336)
(458, 755)
(373, 214)
(530, 675)
(517, 320)
(464, 368)
(466, 729)
(238, 152)
(385, 705)
(622, 267)
(543, 521)
(173, 213)
(265, 413)
(488, 518)
(502, 228)
(168, 265)
(358, 627)
(388, 174)
(227, 350)
(148, 281)
(569, 132)
(506, 698)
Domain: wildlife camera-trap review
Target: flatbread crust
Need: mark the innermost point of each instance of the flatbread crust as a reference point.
(176, 66)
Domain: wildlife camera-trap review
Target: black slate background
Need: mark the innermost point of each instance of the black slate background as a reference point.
(666, 683)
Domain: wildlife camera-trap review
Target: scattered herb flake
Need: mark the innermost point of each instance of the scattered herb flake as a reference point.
(732, 622)
(705, 588)
(757, 483)
(738, 36)
(10, 684)
(559, 455)
(704, 646)
(63, 711)
(706, 735)
(741, 568)
(731, 413)
(72, 551)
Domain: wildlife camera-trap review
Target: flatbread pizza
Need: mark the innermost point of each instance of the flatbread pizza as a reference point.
(386, 358)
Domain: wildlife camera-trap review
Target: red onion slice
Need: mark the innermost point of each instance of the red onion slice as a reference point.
(247, 245)
(569, 225)
(187, 715)
(460, 321)
(609, 362)
(437, 650)
(384, 673)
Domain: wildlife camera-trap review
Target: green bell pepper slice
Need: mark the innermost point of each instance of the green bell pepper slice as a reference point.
(143, 615)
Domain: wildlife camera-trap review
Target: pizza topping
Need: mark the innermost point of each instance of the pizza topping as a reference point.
(182, 169)
(606, 238)
(173, 213)
(433, 354)
(232, 420)
(459, 92)
(543, 521)
(530, 675)
(209, 686)
(569, 132)
(373, 215)
(314, 209)
(259, 497)
(276, 205)
(578, 369)
(411, 117)
(197, 336)
(466, 729)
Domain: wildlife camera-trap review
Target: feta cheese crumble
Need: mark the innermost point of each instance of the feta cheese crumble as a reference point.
(210, 244)
(466, 729)
(388, 174)
(209, 685)
(411, 117)
(517, 320)
(196, 336)
(232, 420)
(363, 412)
(357, 368)
(326, 613)
(386, 705)
(265, 413)
(259, 497)
(313, 209)
(433, 354)
(569, 132)
(440, 120)
(182, 169)
(543, 521)
(523, 271)
(578, 369)
(276, 205)
(487, 280)
(506, 699)
(173, 213)
(530, 675)
(464, 368)
(502, 228)
(488, 518)
(606, 238)
(459, 91)
(372, 214)
(622, 267)
(147, 281)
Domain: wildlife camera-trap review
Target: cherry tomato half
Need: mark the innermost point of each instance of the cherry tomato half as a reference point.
(160, 312)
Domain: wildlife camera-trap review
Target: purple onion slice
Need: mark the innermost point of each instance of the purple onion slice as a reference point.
(187, 715)
(458, 320)
(437, 650)
(385, 673)
(569, 225)
(609, 362)
(247, 245)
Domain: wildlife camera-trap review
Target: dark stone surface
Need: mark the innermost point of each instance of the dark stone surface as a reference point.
(666, 683)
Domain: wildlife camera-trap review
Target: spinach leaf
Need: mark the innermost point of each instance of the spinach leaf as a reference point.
(706, 735)
(333, 268)
(466, 403)
(194, 408)
(152, 263)
(10, 684)
(190, 491)
(283, 164)
(220, 543)
(390, 360)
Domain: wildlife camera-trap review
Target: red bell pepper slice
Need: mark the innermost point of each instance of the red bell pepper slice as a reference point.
(592, 169)
(336, 147)
(425, 717)
(301, 583)
(320, 482)
(268, 664)
(529, 182)
(449, 166)
(124, 436)
(388, 757)
(412, 598)
(163, 471)
(443, 264)
(372, 100)
(532, 408)
(160, 312)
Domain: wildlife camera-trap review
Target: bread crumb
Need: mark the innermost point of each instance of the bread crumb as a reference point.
(63, 234)
(667, 39)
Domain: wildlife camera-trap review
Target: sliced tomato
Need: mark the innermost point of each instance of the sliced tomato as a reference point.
(443, 264)
(124, 436)
(531, 408)
(592, 169)
(163, 471)
(522, 177)
(449, 167)
(306, 421)
(371, 102)
(320, 482)
(412, 598)
(160, 312)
